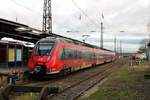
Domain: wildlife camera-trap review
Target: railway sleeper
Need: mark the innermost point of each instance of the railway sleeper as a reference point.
(43, 91)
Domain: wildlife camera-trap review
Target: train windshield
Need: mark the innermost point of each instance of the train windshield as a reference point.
(44, 48)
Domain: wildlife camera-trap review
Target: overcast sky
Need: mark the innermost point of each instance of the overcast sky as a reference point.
(130, 16)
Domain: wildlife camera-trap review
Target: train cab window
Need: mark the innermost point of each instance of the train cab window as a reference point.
(44, 48)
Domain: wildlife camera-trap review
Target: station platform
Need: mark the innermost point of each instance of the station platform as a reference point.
(6, 71)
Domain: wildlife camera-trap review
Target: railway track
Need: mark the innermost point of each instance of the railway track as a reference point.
(67, 78)
(74, 85)
(74, 91)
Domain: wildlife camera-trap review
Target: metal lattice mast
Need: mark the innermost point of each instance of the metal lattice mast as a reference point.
(47, 17)
(115, 45)
(102, 31)
(101, 35)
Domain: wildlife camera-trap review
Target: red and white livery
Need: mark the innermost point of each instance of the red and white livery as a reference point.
(54, 55)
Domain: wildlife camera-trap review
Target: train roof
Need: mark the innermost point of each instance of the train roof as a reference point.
(69, 40)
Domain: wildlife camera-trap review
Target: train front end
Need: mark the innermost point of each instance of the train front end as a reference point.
(40, 60)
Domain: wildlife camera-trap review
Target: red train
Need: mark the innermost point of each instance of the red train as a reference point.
(54, 55)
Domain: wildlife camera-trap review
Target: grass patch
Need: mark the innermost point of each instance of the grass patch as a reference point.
(26, 96)
(59, 85)
(125, 83)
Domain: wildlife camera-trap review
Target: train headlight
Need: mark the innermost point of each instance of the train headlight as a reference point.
(37, 69)
(48, 71)
(54, 69)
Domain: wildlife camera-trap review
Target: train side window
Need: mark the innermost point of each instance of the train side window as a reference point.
(86, 56)
(101, 56)
(74, 54)
(92, 56)
(95, 56)
(66, 54)
(82, 55)
(78, 54)
(70, 54)
(104, 56)
(62, 54)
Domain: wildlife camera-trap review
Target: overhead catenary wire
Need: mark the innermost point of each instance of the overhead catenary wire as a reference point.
(27, 8)
(38, 13)
(88, 26)
(85, 14)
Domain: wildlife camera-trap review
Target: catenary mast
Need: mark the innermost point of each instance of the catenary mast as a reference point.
(47, 17)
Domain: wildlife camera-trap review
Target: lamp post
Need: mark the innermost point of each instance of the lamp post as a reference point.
(121, 42)
(120, 48)
(148, 54)
(101, 35)
(115, 43)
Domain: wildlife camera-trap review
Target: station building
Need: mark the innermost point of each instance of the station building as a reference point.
(13, 53)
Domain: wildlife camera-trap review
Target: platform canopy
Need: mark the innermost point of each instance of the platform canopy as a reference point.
(22, 32)
(25, 33)
(18, 31)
